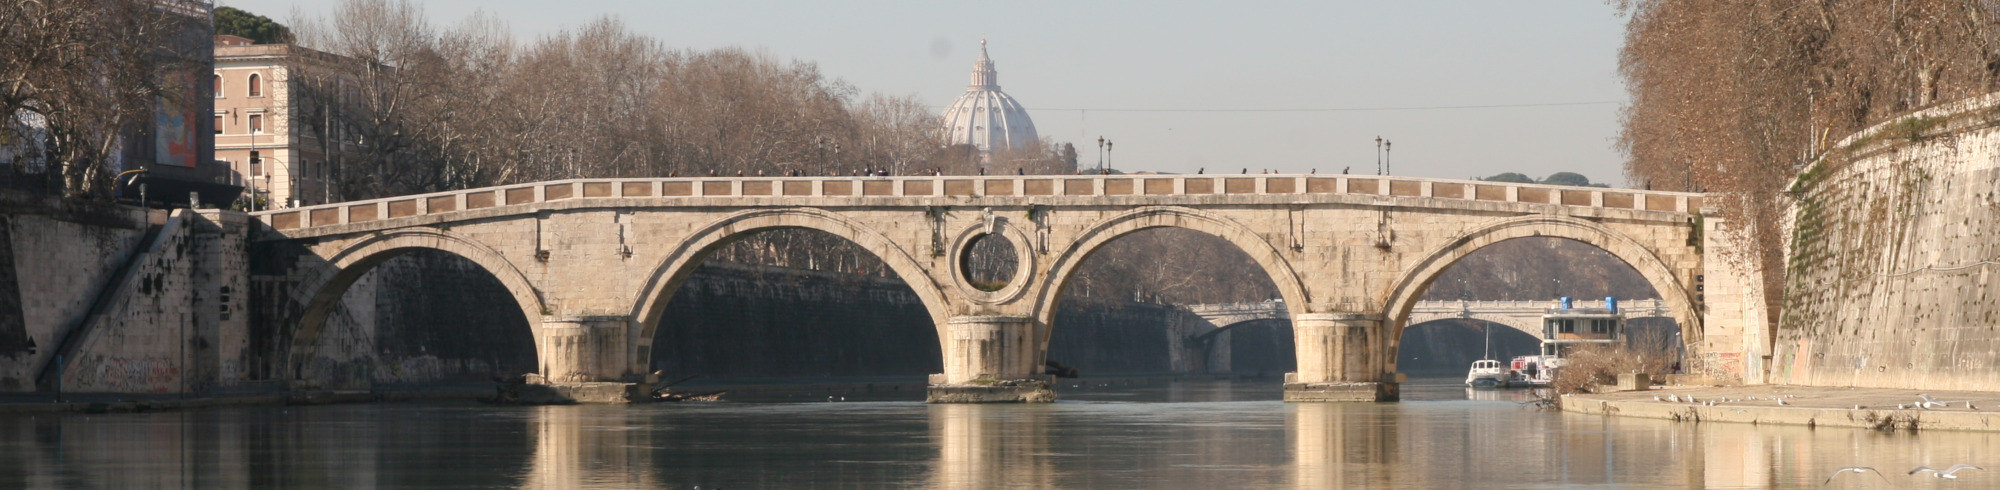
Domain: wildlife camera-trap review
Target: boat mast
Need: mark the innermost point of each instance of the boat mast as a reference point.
(1489, 339)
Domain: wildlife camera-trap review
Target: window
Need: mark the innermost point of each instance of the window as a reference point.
(256, 86)
(256, 164)
(1600, 326)
(218, 124)
(256, 124)
(1565, 325)
(218, 86)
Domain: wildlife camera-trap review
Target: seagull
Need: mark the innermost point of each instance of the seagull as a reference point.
(1900, 406)
(1856, 469)
(1782, 402)
(1656, 397)
(1672, 398)
(1691, 399)
(1857, 407)
(1929, 402)
(1944, 473)
(1968, 405)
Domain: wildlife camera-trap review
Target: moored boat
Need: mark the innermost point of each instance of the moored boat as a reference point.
(1486, 374)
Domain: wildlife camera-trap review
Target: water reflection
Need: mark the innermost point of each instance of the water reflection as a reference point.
(591, 446)
(1342, 445)
(1172, 435)
(980, 445)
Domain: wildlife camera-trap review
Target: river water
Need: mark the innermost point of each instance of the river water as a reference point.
(1178, 434)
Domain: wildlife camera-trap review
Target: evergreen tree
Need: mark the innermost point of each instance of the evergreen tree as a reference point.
(260, 29)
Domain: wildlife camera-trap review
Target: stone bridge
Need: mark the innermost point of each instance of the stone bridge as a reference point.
(591, 263)
(1525, 316)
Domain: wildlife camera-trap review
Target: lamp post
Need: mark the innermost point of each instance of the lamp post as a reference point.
(1100, 153)
(1107, 156)
(1378, 155)
(1386, 154)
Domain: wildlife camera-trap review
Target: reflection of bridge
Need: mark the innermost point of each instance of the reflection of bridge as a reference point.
(1525, 316)
(592, 263)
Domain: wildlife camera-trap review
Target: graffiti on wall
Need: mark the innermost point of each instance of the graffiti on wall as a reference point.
(129, 375)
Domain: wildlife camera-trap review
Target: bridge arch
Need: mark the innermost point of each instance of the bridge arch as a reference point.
(1097, 235)
(1403, 296)
(681, 262)
(321, 291)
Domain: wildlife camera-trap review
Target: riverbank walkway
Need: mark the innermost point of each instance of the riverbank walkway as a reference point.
(1873, 408)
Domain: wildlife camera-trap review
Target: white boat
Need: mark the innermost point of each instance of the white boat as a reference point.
(1563, 329)
(1530, 371)
(1486, 374)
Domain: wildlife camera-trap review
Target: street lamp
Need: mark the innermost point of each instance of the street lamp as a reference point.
(1100, 152)
(1386, 147)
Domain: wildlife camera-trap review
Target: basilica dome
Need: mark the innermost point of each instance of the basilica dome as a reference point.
(985, 117)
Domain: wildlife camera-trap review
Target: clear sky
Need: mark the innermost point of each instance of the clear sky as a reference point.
(1222, 85)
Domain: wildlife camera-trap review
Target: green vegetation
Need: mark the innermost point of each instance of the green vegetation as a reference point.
(260, 29)
(1915, 128)
(1566, 178)
(1558, 178)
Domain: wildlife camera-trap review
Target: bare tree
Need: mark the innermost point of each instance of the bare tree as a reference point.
(87, 72)
(1735, 97)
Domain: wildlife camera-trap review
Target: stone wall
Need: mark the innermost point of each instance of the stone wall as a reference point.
(734, 320)
(102, 298)
(1891, 268)
(424, 317)
(54, 259)
(1129, 338)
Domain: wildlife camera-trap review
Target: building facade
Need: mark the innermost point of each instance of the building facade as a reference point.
(258, 127)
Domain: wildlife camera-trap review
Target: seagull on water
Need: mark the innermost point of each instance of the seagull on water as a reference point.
(1781, 401)
(1856, 469)
(1900, 406)
(1673, 398)
(1656, 397)
(1945, 473)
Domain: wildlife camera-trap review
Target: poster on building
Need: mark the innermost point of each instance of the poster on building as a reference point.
(176, 128)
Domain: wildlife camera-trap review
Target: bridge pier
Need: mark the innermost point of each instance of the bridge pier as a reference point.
(990, 359)
(1338, 361)
(584, 349)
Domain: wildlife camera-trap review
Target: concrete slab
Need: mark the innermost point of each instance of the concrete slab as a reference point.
(1018, 391)
(1342, 392)
(1871, 408)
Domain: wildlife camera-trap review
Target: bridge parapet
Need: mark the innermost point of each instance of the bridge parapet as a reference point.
(692, 191)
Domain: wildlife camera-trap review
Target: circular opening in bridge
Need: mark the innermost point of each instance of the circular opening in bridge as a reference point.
(989, 262)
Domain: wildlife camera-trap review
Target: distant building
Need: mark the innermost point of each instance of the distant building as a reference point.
(986, 118)
(258, 130)
(174, 149)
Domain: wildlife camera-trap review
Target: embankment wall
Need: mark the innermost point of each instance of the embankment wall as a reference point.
(54, 258)
(1892, 278)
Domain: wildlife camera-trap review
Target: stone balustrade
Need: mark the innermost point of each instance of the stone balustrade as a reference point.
(793, 190)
